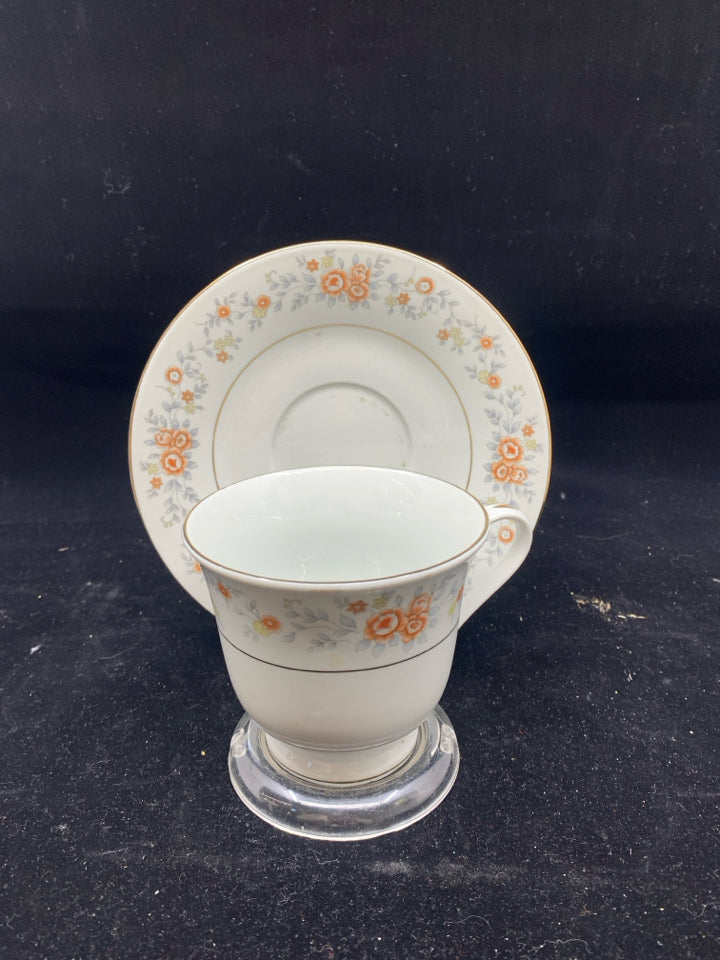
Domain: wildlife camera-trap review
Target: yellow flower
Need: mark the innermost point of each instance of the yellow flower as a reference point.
(381, 602)
(266, 625)
(327, 262)
(457, 335)
(391, 301)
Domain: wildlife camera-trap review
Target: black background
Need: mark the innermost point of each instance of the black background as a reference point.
(561, 157)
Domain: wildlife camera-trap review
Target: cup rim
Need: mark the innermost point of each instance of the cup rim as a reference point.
(317, 586)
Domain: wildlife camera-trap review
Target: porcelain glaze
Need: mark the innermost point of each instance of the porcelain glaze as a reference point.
(337, 594)
(337, 353)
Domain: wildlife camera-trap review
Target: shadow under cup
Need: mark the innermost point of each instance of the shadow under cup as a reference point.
(337, 597)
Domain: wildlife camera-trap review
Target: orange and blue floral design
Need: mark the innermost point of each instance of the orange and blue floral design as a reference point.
(351, 284)
(375, 622)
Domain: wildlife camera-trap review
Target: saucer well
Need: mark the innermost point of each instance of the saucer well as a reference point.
(336, 353)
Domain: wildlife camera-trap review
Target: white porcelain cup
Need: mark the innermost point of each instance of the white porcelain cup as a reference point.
(337, 594)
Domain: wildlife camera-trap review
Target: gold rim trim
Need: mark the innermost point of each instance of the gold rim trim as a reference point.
(376, 666)
(435, 569)
(296, 247)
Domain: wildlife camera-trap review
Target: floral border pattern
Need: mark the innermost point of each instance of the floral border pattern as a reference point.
(351, 284)
(377, 622)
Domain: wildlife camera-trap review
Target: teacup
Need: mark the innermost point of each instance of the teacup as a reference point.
(337, 594)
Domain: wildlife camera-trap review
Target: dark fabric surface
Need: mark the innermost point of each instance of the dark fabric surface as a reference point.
(585, 697)
(563, 159)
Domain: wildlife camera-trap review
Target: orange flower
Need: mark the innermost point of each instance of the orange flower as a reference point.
(357, 291)
(357, 606)
(173, 461)
(421, 604)
(164, 438)
(334, 282)
(384, 625)
(506, 534)
(461, 591)
(510, 449)
(197, 568)
(486, 343)
(181, 440)
(360, 273)
(403, 298)
(224, 591)
(263, 302)
(528, 430)
(266, 625)
(222, 356)
(156, 482)
(188, 396)
(313, 265)
(501, 471)
(174, 375)
(224, 311)
(518, 474)
(494, 381)
(425, 285)
(414, 625)
(443, 334)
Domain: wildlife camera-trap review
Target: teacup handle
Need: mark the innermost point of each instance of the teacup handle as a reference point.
(517, 533)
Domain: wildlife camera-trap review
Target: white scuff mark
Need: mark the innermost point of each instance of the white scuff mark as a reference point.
(115, 183)
(471, 916)
(298, 162)
(603, 607)
(391, 868)
(35, 649)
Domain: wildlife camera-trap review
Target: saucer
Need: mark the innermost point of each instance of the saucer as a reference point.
(336, 353)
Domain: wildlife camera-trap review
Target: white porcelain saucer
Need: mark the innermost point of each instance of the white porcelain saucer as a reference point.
(336, 353)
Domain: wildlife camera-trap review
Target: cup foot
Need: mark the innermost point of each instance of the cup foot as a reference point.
(345, 811)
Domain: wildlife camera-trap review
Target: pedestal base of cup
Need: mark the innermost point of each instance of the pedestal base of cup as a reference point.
(341, 766)
(352, 810)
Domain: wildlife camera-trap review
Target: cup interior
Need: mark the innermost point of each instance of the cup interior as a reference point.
(335, 525)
